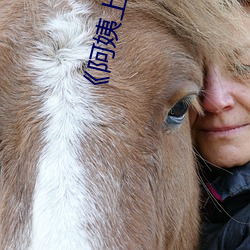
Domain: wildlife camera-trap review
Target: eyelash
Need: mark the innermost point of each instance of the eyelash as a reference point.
(178, 112)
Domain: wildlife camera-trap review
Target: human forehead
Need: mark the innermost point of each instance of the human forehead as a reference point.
(244, 55)
(246, 20)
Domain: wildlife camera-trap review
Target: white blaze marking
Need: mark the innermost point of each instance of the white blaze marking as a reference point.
(61, 202)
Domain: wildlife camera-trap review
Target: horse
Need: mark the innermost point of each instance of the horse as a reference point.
(95, 149)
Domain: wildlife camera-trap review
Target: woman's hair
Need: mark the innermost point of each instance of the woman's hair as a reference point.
(244, 2)
(210, 26)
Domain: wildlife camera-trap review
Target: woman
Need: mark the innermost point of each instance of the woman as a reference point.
(222, 139)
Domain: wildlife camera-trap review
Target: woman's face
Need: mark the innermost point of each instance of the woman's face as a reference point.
(222, 136)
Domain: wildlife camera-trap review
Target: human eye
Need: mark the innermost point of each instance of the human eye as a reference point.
(242, 69)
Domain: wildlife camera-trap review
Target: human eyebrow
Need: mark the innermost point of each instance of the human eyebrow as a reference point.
(242, 66)
(244, 52)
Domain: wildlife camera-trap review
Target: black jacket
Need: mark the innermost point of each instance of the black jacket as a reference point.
(226, 211)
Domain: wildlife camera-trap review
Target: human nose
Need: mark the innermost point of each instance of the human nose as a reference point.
(217, 96)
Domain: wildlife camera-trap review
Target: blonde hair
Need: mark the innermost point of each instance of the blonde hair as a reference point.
(209, 25)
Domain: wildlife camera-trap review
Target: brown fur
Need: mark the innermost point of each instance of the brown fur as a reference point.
(149, 196)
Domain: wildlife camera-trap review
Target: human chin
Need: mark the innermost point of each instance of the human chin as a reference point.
(226, 155)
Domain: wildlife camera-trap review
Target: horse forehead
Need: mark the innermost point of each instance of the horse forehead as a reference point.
(143, 39)
(156, 59)
(155, 43)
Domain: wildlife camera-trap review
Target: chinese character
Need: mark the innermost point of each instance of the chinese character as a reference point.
(100, 56)
(116, 7)
(96, 80)
(102, 38)
(107, 27)
(104, 30)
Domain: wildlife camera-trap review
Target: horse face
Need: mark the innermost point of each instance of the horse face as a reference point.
(88, 166)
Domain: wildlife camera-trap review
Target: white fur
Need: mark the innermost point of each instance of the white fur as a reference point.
(62, 205)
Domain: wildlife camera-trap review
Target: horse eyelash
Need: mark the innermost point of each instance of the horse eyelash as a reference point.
(195, 105)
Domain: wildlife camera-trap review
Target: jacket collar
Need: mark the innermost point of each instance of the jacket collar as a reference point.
(229, 183)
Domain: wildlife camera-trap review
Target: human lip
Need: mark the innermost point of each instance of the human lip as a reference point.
(224, 130)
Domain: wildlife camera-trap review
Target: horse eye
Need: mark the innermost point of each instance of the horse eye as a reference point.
(178, 112)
